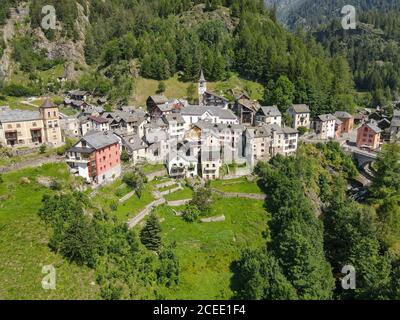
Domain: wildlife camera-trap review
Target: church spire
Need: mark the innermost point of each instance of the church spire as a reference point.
(202, 78)
(202, 87)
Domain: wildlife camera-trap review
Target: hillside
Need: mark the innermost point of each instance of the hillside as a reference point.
(107, 47)
(372, 52)
(312, 13)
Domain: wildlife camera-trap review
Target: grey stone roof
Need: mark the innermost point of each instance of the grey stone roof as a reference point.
(48, 104)
(326, 117)
(396, 113)
(300, 108)
(173, 117)
(214, 111)
(395, 123)
(78, 93)
(203, 124)
(99, 140)
(18, 115)
(271, 111)
(343, 115)
(134, 142)
(374, 128)
(159, 99)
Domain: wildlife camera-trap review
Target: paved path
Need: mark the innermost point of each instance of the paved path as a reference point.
(149, 208)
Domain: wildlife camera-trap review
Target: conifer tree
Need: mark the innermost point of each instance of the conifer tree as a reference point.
(150, 235)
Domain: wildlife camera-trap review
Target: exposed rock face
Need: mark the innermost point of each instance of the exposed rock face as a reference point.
(9, 31)
(67, 49)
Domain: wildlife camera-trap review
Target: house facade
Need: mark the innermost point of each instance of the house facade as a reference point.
(369, 137)
(193, 114)
(268, 115)
(96, 157)
(324, 126)
(347, 121)
(300, 115)
(21, 128)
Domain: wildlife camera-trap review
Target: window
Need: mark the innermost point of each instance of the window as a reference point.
(18, 125)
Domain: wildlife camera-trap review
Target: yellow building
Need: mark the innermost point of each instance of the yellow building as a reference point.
(22, 128)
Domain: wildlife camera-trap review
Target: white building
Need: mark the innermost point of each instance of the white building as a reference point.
(268, 115)
(324, 126)
(176, 125)
(194, 114)
(265, 142)
(300, 114)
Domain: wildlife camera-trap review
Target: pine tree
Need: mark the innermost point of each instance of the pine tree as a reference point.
(150, 235)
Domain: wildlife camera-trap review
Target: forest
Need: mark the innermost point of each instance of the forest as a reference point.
(310, 243)
(372, 52)
(157, 39)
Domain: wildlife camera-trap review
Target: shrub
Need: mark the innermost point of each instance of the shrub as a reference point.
(42, 149)
(125, 156)
(114, 206)
(191, 213)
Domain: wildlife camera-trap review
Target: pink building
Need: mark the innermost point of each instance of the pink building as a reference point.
(368, 137)
(96, 157)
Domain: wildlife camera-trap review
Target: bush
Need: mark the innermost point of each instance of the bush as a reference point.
(202, 199)
(125, 156)
(42, 149)
(1, 178)
(191, 213)
(114, 206)
(55, 185)
(302, 130)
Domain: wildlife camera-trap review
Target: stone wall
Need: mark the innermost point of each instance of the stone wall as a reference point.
(254, 196)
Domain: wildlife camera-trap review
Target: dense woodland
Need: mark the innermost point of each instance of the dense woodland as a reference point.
(310, 242)
(372, 52)
(312, 13)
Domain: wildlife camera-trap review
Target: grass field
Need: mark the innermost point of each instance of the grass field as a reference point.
(23, 245)
(207, 250)
(109, 195)
(184, 194)
(178, 89)
(236, 185)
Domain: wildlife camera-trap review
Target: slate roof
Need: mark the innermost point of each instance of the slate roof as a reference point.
(300, 108)
(100, 140)
(343, 115)
(192, 110)
(48, 104)
(78, 93)
(134, 142)
(374, 128)
(173, 117)
(395, 123)
(159, 99)
(18, 115)
(271, 111)
(326, 117)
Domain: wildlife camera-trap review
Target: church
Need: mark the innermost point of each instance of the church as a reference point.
(208, 98)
